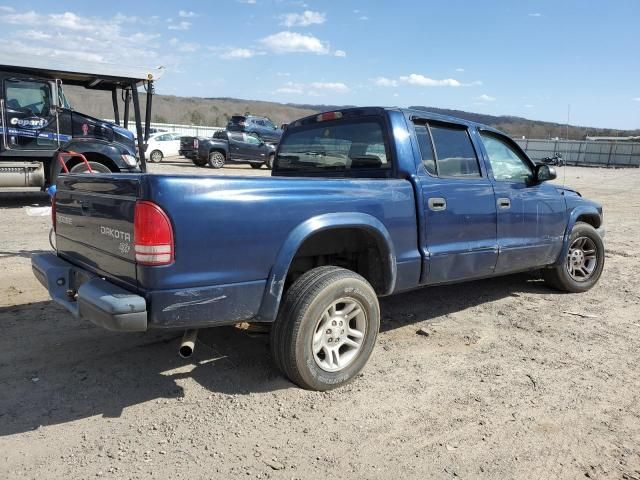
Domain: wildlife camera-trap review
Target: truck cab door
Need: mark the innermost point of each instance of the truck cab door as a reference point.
(531, 216)
(458, 204)
(256, 149)
(29, 116)
(237, 146)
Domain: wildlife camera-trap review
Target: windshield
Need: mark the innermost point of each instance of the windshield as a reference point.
(337, 146)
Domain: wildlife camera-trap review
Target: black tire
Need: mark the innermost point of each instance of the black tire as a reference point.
(216, 160)
(156, 156)
(199, 162)
(302, 316)
(255, 166)
(270, 161)
(560, 277)
(95, 167)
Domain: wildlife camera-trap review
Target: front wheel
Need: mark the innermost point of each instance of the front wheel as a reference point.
(326, 328)
(582, 267)
(216, 160)
(95, 168)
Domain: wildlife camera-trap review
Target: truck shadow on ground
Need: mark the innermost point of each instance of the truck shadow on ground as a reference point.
(9, 199)
(55, 369)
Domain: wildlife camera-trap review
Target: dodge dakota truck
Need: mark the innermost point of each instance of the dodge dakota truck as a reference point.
(362, 203)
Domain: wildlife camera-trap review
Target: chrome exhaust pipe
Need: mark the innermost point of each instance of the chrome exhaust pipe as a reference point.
(188, 344)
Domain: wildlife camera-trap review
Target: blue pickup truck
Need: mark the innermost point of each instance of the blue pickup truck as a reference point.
(362, 203)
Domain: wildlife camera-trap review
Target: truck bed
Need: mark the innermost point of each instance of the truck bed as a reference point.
(229, 233)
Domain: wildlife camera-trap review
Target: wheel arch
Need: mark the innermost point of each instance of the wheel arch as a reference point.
(218, 149)
(586, 214)
(313, 228)
(90, 155)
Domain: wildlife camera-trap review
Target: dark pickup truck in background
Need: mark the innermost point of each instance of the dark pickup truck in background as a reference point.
(362, 202)
(228, 147)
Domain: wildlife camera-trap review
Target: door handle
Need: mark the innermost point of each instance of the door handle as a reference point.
(504, 203)
(437, 204)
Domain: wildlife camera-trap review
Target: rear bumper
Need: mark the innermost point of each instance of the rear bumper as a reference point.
(90, 297)
(97, 300)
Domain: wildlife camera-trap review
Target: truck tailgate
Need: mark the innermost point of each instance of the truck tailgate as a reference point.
(94, 223)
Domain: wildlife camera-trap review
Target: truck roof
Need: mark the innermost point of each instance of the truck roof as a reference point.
(102, 76)
(408, 112)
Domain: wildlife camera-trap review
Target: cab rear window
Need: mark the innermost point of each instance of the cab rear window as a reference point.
(335, 146)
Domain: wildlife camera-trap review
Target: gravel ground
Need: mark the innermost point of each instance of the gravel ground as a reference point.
(505, 383)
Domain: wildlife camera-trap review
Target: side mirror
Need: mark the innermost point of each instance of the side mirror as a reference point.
(544, 173)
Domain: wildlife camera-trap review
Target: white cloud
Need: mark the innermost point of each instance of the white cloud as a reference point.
(363, 18)
(187, 14)
(4, 8)
(36, 35)
(531, 106)
(94, 39)
(291, 87)
(535, 14)
(303, 19)
(637, 99)
(183, 25)
(337, 87)
(236, 53)
(248, 2)
(313, 89)
(340, 53)
(385, 82)
(486, 98)
(459, 69)
(422, 81)
(292, 42)
(184, 47)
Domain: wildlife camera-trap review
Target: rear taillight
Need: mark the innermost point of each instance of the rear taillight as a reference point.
(152, 235)
(195, 143)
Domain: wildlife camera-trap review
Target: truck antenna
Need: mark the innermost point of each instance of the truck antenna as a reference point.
(564, 161)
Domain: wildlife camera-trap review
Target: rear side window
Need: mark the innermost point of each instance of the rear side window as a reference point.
(426, 149)
(455, 156)
(447, 150)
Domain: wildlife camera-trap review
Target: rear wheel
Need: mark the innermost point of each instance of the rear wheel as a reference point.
(156, 156)
(270, 161)
(216, 160)
(326, 328)
(255, 165)
(95, 167)
(583, 264)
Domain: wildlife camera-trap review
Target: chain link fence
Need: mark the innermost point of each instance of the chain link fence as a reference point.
(588, 153)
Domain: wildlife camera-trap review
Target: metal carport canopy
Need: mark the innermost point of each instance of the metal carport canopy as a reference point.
(98, 75)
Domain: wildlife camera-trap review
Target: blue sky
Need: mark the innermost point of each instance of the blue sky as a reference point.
(527, 58)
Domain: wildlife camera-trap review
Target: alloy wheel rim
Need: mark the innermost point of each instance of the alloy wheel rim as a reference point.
(156, 157)
(582, 259)
(339, 335)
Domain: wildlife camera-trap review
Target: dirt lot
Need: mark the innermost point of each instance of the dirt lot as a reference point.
(506, 385)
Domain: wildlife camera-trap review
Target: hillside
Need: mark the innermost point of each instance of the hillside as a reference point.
(216, 111)
(186, 110)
